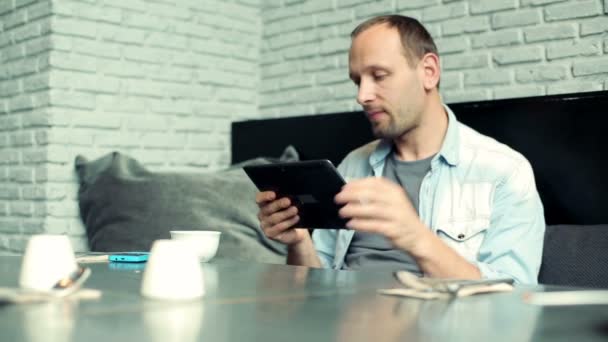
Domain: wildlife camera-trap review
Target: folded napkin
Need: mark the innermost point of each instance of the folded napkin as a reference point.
(12, 295)
(437, 288)
(68, 287)
(569, 297)
(92, 258)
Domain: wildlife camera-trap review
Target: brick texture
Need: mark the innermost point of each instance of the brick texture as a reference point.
(489, 49)
(163, 80)
(24, 82)
(159, 81)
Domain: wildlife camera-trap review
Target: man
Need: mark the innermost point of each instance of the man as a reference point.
(431, 195)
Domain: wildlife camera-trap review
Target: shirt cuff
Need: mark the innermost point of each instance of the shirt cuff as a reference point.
(489, 272)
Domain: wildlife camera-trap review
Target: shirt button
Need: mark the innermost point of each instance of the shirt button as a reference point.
(460, 236)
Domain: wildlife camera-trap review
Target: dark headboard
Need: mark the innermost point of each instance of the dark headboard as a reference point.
(563, 136)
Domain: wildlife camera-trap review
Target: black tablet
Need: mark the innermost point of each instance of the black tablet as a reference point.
(311, 185)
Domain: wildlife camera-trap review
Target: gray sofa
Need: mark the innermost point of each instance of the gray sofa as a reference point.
(125, 207)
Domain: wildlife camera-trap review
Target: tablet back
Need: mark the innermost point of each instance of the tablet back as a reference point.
(311, 185)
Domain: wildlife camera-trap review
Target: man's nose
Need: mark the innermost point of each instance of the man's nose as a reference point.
(365, 93)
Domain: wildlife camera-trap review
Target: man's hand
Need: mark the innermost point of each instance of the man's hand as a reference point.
(278, 218)
(377, 205)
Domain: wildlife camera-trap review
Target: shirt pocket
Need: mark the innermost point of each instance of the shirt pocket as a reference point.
(465, 236)
(465, 218)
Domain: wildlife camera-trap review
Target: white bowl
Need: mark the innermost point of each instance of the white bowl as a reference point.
(203, 242)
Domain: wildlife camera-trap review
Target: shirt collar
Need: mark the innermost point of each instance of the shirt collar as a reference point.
(449, 151)
(451, 143)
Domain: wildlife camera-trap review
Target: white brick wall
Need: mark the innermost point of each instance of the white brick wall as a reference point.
(159, 80)
(24, 52)
(489, 49)
(162, 79)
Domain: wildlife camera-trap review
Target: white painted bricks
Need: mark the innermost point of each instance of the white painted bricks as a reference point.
(163, 81)
(484, 46)
(158, 81)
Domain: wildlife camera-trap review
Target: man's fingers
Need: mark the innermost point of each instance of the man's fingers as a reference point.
(261, 198)
(269, 221)
(363, 196)
(275, 206)
(282, 228)
(365, 211)
(369, 190)
(361, 190)
(277, 217)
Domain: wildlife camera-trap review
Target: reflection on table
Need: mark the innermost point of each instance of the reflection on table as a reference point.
(249, 301)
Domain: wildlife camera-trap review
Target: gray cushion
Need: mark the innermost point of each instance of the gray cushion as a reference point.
(125, 207)
(575, 255)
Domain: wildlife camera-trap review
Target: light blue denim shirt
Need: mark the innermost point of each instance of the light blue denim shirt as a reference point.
(479, 197)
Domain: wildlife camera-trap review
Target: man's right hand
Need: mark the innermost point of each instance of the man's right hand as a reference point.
(278, 218)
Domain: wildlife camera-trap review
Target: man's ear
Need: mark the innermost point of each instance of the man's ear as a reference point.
(431, 70)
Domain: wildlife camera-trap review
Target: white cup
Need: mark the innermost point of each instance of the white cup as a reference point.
(47, 259)
(203, 242)
(173, 272)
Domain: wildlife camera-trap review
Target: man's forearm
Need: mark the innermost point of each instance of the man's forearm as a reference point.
(436, 259)
(303, 254)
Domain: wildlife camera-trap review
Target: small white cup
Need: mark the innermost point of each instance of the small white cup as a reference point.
(203, 242)
(173, 272)
(47, 259)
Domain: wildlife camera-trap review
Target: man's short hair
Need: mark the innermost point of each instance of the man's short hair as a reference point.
(415, 39)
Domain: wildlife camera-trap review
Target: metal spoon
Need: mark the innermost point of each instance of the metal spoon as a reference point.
(62, 288)
(71, 283)
(450, 286)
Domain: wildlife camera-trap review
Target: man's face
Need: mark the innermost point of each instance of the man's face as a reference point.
(390, 90)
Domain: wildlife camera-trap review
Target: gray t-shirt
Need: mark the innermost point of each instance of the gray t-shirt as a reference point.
(373, 250)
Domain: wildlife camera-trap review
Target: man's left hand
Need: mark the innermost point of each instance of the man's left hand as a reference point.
(377, 205)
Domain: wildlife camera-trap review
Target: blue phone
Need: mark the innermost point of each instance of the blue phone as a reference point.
(129, 257)
(127, 266)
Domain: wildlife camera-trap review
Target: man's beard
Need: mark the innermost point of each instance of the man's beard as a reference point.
(391, 129)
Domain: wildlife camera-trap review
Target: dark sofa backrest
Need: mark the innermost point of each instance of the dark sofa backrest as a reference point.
(563, 136)
(327, 136)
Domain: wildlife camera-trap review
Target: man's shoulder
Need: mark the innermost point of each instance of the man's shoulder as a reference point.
(491, 158)
(477, 145)
(363, 151)
(357, 160)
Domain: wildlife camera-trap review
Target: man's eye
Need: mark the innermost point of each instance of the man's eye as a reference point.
(379, 77)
